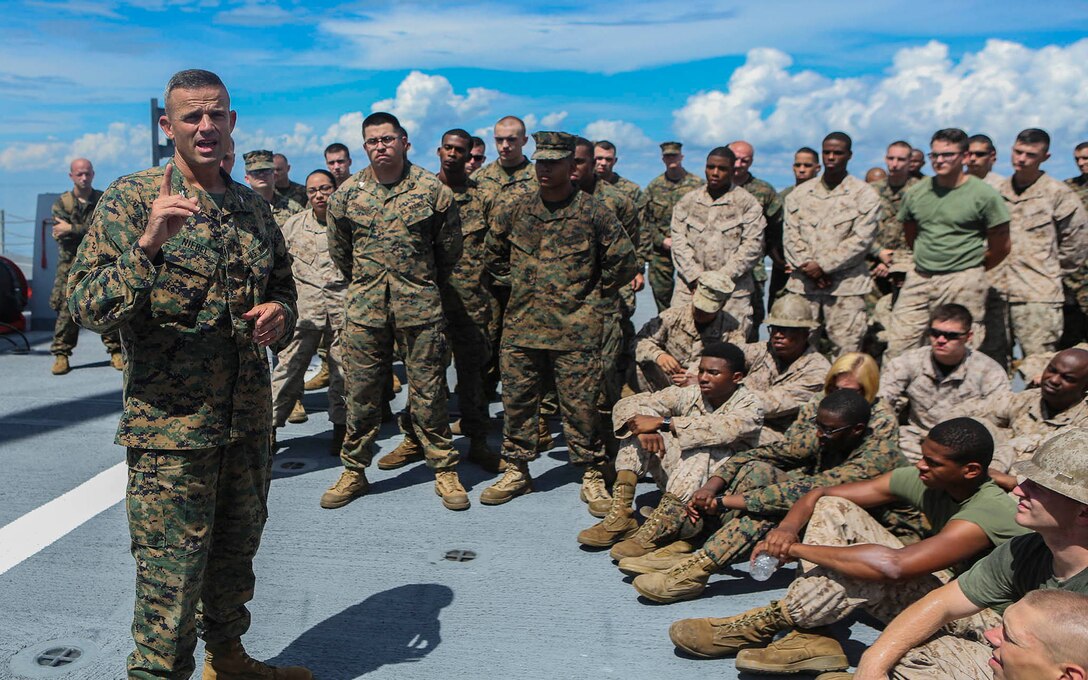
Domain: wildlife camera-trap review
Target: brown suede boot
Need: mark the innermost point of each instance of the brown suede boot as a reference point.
(61, 365)
(229, 661)
(619, 523)
(799, 651)
(663, 527)
(319, 381)
(407, 452)
(514, 482)
(351, 485)
(715, 638)
(448, 485)
(662, 559)
(298, 413)
(684, 581)
(595, 492)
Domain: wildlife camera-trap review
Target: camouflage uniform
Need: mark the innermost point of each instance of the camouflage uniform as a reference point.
(1048, 227)
(913, 381)
(658, 200)
(1023, 423)
(283, 208)
(674, 333)
(321, 295)
(626, 187)
(468, 305)
(835, 228)
(559, 262)
(782, 389)
(1075, 284)
(294, 191)
(723, 234)
(704, 435)
(772, 242)
(396, 246)
(196, 419)
(77, 213)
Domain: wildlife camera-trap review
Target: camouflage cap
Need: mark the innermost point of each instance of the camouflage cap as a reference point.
(791, 311)
(712, 291)
(1060, 464)
(553, 146)
(671, 147)
(260, 159)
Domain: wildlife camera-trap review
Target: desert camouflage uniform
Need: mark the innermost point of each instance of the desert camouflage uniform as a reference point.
(835, 228)
(912, 381)
(321, 294)
(723, 234)
(396, 246)
(196, 419)
(1048, 227)
(77, 213)
(704, 435)
(658, 199)
(1076, 283)
(468, 304)
(296, 192)
(674, 333)
(1023, 423)
(283, 208)
(772, 242)
(782, 389)
(560, 263)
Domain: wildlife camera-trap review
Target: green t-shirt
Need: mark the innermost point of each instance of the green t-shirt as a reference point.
(952, 223)
(989, 508)
(1012, 571)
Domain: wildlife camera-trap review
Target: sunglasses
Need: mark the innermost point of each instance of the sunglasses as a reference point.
(822, 431)
(478, 157)
(948, 335)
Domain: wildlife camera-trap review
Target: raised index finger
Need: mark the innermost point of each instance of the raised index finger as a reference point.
(166, 188)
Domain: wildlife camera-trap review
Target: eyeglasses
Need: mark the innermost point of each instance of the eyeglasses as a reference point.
(323, 189)
(386, 140)
(822, 431)
(948, 335)
(944, 155)
(478, 157)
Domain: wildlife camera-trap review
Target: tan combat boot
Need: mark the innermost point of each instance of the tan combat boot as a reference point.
(514, 482)
(229, 661)
(298, 413)
(661, 559)
(60, 365)
(408, 451)
(117, 360)
(662, 528)
(595, 492)
(619, 523)
(544, 441)
(479, 453)
(799, 651)
(319, 381)
(455, 428)
(397, 387)
(448, 486)
(715, 638)
(351, 485)
(684, 581)
(339, 432)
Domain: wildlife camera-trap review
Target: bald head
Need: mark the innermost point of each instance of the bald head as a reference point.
(81, 172)
(1065, 379)
(745, 154)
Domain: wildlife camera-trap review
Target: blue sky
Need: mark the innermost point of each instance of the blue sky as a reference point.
(76, 76)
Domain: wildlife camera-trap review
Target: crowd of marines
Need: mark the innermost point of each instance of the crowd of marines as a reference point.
(874, 436)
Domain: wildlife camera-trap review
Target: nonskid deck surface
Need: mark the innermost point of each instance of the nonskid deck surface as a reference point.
(363, 591)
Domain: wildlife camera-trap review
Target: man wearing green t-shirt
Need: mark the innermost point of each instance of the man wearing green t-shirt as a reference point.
(1053, 501)
(958, 228)
(849, 560)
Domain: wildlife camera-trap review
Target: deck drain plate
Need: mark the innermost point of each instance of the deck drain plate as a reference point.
(455, 556)
(294, 466)
(53, 658)
(459, 555)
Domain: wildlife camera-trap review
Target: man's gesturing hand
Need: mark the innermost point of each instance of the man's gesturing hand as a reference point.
(168, 214)
(271, 322)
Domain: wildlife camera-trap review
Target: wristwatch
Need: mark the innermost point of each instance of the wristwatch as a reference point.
(666, 422)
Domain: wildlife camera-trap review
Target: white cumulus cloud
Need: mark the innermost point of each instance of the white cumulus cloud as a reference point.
(626, 136)
(120, 145)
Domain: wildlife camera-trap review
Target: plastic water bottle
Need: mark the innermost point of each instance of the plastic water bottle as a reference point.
(763, 566)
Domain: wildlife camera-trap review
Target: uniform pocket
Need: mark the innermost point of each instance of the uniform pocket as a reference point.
(182, 285)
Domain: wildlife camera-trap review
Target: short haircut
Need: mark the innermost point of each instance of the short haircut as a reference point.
(901, 143)
(840, 137)
(511, 119)
(723, 152)
(1078, 147)
(1034, 136)
(458, 132)
(953, 312)
(1067, 642)
(337, 147)
(322, 171)
(477, 141)
(606, 145)
(190, 79)
(809, 150)
(280, 155)
(952, 136)
(982, 139)
(848, 405)
(384, 118)
(582, 142)
(968, 439)
(864, 369)
(733, 355)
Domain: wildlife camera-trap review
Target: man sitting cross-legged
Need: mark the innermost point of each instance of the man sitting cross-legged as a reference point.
(849, 560)
(678, 435)
(763, 483)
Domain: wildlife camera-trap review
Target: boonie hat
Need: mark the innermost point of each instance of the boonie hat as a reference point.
(712, 291)
(260, 159)
(1060, 464)
(791, 311)
(553, 146)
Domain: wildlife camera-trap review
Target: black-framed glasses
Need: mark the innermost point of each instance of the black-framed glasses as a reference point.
(947, 335)
(385, 140)
(323, 189)
(822, 431)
